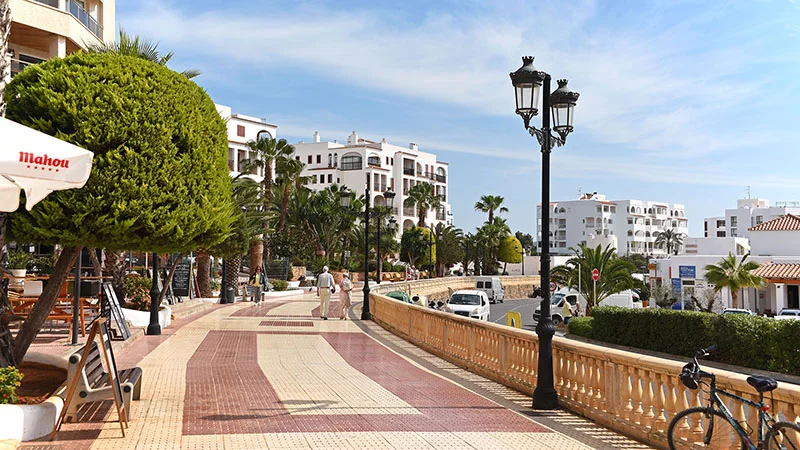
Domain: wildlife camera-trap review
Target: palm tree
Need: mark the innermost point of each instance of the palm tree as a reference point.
(287, 170)
(139, 48)
(421, 195)
(264, 151)
(488, 238)
(491, 204)
(729, 273)
(671, 240)
(5, 32)
(448, 246)
(615, 273)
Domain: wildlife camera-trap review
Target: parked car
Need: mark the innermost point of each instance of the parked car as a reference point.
(400, 295)
(493, 288)
(788, 314)
(469, 303)
(625, 299)
(738, 311)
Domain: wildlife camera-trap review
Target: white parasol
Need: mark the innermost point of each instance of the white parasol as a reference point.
(38, 164)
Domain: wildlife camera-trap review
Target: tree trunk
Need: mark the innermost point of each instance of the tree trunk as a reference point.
(115, 263)
(284, 208)
(98, 267)
(233, 273)
(734, 298)
(42, 308)
(169, 277)
(5, 66)
(204, 275)
(256, 254)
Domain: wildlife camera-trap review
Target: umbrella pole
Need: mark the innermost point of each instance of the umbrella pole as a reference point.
(76, 300)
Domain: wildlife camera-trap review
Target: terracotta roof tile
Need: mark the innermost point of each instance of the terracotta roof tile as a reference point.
(789, 222)
(778, 270)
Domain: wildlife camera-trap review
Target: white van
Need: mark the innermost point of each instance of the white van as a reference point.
(493, 288)
(625, 299)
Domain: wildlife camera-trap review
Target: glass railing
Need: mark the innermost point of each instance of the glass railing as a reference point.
(83, 17)
(51, 3)
(408, 171)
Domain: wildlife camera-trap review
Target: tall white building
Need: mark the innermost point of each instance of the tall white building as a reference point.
(241, 130)
(631, 226)
(749, 212)
(388, 167)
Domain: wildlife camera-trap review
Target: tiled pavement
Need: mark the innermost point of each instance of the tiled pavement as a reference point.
(276, 376)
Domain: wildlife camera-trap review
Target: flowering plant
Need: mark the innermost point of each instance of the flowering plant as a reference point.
(10, 380)
(137, 290)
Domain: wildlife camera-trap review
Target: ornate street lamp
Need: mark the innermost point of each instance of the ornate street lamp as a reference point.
(154, 327)
(389, 196)
(528, 82)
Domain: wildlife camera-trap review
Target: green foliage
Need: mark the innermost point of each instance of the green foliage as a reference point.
(18, 259)
(159, 180)
(415, 247)
(491, 204)
(43, 265)
(248, 219)
(137, 290)
(581, 326)
(638, 261)
(526, 239)
(280, 285)
(422, 197)
(729, 273)
(615, 273)
(510, 250)
(215, 285)
(670, 240)
(10, 380)
(747, 341)
(448, 247)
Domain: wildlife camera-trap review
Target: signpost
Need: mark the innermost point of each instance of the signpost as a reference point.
(553, 286)
(595, 276)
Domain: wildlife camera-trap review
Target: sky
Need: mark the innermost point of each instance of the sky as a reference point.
(689, 102)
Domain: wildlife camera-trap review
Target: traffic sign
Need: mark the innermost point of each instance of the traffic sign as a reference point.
(595, 274)
(553, 286)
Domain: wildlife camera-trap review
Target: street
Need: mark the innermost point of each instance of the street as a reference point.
(523, 306)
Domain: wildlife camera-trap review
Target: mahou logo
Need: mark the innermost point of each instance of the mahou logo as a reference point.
(42, 160)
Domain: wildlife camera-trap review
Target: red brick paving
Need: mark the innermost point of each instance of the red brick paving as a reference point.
(285, 323)
(228, 393)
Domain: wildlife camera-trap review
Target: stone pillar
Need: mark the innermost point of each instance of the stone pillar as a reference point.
(780, 297)
(58, 47)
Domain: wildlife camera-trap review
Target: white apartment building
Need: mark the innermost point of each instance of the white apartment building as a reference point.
(749, 212)
(388, 167)
(45, 29)
(631, 226)
(241, 130)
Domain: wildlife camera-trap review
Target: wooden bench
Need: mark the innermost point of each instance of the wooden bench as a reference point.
(93, 382)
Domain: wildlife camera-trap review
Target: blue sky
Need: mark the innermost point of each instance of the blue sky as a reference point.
(681, 101)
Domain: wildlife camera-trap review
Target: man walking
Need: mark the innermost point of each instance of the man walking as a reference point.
(344, 296)
(325, 285)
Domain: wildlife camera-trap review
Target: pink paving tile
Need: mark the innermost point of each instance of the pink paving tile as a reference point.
(285, 323)
(227, 393)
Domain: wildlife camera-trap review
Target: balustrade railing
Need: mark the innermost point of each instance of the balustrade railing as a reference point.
(632, 393)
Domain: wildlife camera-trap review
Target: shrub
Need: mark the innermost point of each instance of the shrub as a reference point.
(137, 289)
(215, 285)
(18, 259)
(581, 326)
(747, 341)
(280, 285)
(10, 380)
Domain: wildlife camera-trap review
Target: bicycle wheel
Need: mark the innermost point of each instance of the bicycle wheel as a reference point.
(784, 436)
(703, 428)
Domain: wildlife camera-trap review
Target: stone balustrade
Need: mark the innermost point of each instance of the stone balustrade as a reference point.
(628, 392)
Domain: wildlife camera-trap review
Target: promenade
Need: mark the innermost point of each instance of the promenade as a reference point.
(276, 376)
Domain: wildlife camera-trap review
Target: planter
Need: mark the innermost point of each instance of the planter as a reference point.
(18, 278)
(142, 318)
(29, 422)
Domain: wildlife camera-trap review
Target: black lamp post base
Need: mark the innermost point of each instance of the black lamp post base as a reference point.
(545, 398)
(154, 329)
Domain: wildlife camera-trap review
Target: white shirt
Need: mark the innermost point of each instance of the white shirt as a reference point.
(325, 280)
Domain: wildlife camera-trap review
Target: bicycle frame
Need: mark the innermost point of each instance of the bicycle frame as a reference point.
(716, 403)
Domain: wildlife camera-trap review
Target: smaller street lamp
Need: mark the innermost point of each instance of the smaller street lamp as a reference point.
(389, 196)
(522, 254)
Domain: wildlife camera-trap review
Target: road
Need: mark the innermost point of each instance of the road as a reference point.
(523, 306)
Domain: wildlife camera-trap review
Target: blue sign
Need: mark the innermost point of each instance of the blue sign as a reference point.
(676, 285)
(687, 272)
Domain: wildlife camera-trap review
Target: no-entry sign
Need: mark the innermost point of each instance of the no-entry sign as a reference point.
(553, 287)
(595, 274)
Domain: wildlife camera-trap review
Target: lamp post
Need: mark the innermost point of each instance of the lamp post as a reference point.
(389, 196)
(344, 199)
(522, 254)
(154, 328)
(528, 82)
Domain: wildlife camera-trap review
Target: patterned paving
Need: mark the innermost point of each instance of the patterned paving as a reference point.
(244, 377)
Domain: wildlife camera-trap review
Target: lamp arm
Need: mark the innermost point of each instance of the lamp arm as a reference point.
(539, 134)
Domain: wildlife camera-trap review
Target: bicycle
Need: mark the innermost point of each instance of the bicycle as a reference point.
(714, 427)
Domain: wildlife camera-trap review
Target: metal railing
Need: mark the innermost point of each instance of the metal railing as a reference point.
(408, 171)
(83, 17)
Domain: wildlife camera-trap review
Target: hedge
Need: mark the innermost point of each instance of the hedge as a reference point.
(747, 341)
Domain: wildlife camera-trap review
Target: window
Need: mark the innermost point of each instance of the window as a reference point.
(351, 162)
(335, 160)
(264, 134)
(733, 221)
(322, 178)
(330, 159)
(319, 159)
(310, 159)
(630, 220)
(330, 178)
(297, 158)
(240, 130)
(720, 234)
(759, 219)
(374, 160)
(720, 223)
(733, 232)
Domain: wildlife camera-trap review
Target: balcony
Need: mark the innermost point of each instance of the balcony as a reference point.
(408, 171)
(440, 215)
(83, 17)
(441, 178)
(409, 211)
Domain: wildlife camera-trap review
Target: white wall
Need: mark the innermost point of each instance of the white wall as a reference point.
(775, 243)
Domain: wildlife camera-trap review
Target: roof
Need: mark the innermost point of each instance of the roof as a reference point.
(606, 203)
(789, 222)
(778, 270)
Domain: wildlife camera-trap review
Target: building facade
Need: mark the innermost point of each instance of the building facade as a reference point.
(388, 167)
(631, 226)
(749, 212)
(46, 29)
(241, 130)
